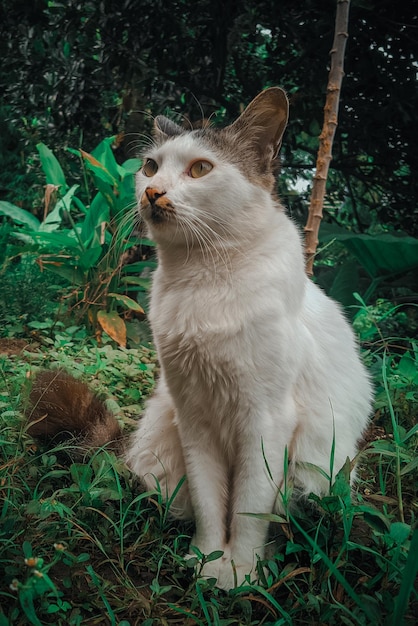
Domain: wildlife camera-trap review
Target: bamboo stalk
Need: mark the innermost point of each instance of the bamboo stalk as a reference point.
(326, 137)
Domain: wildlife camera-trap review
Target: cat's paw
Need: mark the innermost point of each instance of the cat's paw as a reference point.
(228, 576)
(221, 566)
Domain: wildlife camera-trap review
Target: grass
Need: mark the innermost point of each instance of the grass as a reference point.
(81, 544)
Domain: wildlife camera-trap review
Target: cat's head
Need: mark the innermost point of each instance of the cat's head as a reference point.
(207, 185)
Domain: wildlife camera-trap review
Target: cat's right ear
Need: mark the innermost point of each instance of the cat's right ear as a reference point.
(165, 128)
(264, 120)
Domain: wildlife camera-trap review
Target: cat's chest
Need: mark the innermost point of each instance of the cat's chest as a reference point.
(198, 333)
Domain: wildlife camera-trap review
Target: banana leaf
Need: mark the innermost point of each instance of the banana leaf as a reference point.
(381, 254)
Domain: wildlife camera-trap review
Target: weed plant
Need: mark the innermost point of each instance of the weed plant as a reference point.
(81, 543)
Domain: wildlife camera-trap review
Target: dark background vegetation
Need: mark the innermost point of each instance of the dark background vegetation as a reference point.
(73, 72)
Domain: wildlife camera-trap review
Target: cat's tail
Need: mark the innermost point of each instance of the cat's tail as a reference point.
(62, 408)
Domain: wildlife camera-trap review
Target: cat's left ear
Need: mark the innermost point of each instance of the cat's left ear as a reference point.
(165, 128)
(265, 119)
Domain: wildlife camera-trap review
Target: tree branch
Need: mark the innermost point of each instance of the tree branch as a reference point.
(326, 137)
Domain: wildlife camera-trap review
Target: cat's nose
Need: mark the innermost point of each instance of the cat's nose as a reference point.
(153, 194)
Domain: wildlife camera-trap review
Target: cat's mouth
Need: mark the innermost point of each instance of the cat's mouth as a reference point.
(155, 206)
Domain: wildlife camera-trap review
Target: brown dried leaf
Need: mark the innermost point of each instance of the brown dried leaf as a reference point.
(113, 325)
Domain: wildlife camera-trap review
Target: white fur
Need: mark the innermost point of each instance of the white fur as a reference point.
(255, 359)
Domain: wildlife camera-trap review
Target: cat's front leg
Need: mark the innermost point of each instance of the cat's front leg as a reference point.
(257, 476)
(155, 452)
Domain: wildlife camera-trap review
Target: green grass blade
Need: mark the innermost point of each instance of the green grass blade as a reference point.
(408, 579)
(96, 581)
(335, 571)
(202, 603)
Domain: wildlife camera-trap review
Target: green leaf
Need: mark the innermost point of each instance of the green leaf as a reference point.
(136, 268)
(99, 170)
(407, 367)
(61, 240)
(96, 215)
(88, 259)
(374, 518)
(400, 532)
(132, 165)
(378, 254)
(26, 595)
(127, 302)
(74, 275)
(51, 167)
(341, 486)
(27, 549)
(144, 283)
(345, 283)
(410, 571)
(54, 219)
(106, 156)
(19, 215)
(81, 475)
(214, 556)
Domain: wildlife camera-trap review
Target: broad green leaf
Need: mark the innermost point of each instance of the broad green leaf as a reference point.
(106, 182)
(80, 205)
(74, 275)
(18, 215)
(379, 254)
(61, 240)
(89, 257)
(144, 283)
(54, 219)
(345, 283)
(105, 155)
(51, 167)
(374, 518)
(136, 268)
(127, 195)
(126, 302)
(132, 165)
(407, 368)
(98, 169)
(95, 216)
(399, 531)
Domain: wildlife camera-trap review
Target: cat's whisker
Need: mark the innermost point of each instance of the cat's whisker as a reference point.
(205, 237)
(225, 226)
(196, 235)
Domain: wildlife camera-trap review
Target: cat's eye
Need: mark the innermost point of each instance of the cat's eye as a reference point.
(200, 168)
(150, 167)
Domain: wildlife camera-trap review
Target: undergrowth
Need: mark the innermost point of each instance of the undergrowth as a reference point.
(80, 543)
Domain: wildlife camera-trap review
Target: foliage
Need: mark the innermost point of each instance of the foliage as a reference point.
(86, 68)
(88, 245)
(80, 543)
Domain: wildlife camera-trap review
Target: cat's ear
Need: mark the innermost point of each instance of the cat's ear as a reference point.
(165, 128)
(264, 120)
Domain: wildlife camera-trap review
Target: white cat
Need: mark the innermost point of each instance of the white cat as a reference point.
(255, 359)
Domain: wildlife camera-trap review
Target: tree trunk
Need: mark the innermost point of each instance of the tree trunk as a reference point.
(326, 137)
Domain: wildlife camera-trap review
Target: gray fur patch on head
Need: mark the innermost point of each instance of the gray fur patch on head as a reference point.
(165, 129)
(251, 143)
(260, 168)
